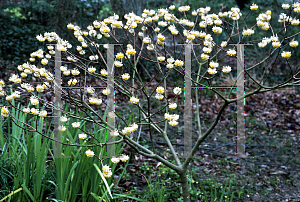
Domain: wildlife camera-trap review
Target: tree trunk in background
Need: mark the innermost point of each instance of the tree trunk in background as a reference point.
(60, 7)
(58, 17)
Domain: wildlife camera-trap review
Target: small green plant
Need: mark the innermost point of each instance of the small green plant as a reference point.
(15, 12)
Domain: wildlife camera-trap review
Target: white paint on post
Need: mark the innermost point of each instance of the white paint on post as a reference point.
(57, 103)
(188, 102)
(110, 99)
(240, 140)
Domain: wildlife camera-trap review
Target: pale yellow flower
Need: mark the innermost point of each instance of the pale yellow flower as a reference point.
(226, 69)
(125, 76)
(173, 123)
(286, 54)
(159, 96)
(211, 70)
(213, 64)
(217, 30)
(4, 112)
(82, 136)
(253, 7)
(134, 100)
(35, 111)
(231, 52)
(276, 44)
(115, 160)
(124, 158)
(34, 100)
(63, 119)
(172, 105)
(177, 90)
(160, 90)
(104, 72)
(114, 133)
(76, 124)
(161, 58)
(120, 56)
(294, 44)
(43, 113)
(285, 6)
(204, 56)
(178, 63)
(26, 110)
(89, 153)
(248, 32)
(91, 69)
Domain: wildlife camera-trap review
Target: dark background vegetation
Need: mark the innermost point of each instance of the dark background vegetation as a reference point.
(273, 126)
(22, 20)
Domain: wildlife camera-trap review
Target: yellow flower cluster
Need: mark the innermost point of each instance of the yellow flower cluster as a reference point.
(130, 50)
(34, 100)
(173, 30)
(296, 7)
(35, 111)
(120, 56)
(134, 100)
(63, 119)
(172, 118)
(231, 52)
(14, 95)
(204, 56)
(130, 129)
(89, 153)
(294, 44)
(103, 72)
(82, 136)
(95, 101)
(4, 112)
(248, 32)
(177, 90)
(159, 96)
(276, 44)
(212, 70)
(43, 113)
(234, 14)
(207, 49)
(91, 70)
(123, 158)
(150, 47)
(114, 133)
(160, 90)
(160, 39)
(76, 124)
(295, 21)
(125, 76)
(217, 30)
(15, 78)
(213, 64)
(184, 8)
(263, 20)
(27, 68)
(178, 63)
(286, 54)
(118, 63)
(105, 91)
(253, 7)
(172, 105)
(226, 69)
(72, 82)
(106, 171)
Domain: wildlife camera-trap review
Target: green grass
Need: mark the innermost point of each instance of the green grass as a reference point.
(26, 174)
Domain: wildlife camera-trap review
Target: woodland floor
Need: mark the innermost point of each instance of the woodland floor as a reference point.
(272, 170)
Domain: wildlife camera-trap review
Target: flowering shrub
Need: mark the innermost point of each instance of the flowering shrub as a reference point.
(151, 37)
